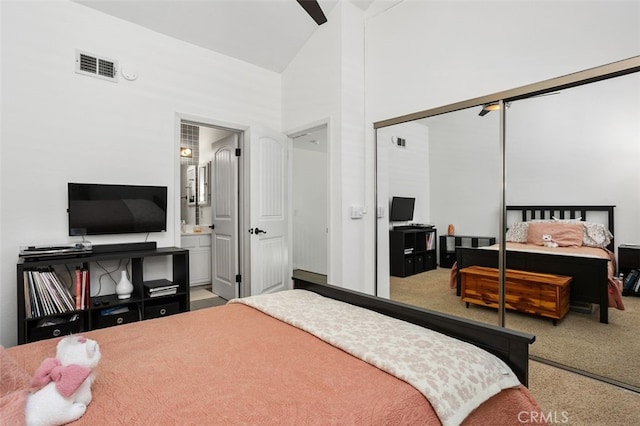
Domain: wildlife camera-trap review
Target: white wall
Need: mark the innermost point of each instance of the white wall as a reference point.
(421, 55)
(309, 197)
(326, 81)
(412, 178)
(407, 174)
(58, 126)
(402, 172)
(581, 147)
(465, 172)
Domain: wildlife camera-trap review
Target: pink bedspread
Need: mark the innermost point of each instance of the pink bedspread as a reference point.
(615, 286)
(234, 364)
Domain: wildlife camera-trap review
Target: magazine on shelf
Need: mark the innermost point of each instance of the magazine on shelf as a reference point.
(165, 292)
(159, 285)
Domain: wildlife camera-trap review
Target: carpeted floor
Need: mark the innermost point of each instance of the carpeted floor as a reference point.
(570, 399)
(578, 340)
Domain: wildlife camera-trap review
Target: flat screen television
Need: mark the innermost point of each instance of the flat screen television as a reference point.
(402, 209)
(96, 209)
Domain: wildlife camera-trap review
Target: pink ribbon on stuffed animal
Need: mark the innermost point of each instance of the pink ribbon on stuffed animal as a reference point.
(67, 378)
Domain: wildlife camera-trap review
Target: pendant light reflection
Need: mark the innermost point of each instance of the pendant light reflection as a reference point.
(494, 106)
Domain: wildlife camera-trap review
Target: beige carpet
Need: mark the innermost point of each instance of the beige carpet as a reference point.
(578, 340)
(570, 399)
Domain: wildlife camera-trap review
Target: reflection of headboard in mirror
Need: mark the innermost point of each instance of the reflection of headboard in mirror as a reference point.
(599, 214)
(590, 274)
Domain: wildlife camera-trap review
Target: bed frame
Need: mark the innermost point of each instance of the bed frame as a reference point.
(509, 345)
(590, 275)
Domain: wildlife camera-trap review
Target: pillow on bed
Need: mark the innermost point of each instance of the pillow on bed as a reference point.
(565, 234)
(517, 232)
(596, 235)
(593, 235)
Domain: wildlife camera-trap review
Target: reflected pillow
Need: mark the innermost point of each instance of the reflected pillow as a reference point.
(593, 235)
(596, 235)
(517, 233)
(565, 234)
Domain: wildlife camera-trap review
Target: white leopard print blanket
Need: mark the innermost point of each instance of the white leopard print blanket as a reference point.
(456, 377)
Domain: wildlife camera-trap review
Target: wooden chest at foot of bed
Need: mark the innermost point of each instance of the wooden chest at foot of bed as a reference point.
(535, 293)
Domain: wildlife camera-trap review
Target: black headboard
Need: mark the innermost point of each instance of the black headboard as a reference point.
(566, 212)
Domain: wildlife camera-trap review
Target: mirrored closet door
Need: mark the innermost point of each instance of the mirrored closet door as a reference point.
(574, 140)
(581, 146)
(448, 165)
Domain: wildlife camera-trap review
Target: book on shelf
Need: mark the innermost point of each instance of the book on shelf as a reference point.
(45, 294)
(430, 240)
(82, 290)
(631, 282)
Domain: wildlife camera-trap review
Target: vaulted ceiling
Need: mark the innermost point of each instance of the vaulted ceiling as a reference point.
(266, 33)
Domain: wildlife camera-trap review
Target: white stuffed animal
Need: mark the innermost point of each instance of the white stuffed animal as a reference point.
(547, 241)
(66, 381)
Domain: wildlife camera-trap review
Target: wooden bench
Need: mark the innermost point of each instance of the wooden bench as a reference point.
(535, 293)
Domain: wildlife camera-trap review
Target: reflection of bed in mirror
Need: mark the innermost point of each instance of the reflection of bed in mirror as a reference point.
(591, 266)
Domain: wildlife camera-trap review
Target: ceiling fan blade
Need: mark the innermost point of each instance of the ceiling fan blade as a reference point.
(313, 9)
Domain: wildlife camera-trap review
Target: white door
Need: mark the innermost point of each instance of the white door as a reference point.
(224, 217)
(268, 225)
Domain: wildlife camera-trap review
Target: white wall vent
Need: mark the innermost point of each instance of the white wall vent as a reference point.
(96, 66)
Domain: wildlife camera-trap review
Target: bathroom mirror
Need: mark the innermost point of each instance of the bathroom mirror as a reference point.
(191, 185)
(203, 192)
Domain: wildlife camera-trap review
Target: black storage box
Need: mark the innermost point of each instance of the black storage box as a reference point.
(161, 310)
(55, 330)
(132, 315)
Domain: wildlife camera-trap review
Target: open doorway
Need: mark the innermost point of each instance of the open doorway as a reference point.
(309, 186)
(209, 210)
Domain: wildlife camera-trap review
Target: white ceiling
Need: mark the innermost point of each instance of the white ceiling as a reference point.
(266, 33)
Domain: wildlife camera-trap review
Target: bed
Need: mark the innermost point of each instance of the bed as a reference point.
(592, 268)
(239, 364)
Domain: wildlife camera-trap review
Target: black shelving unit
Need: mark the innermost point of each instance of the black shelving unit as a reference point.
(141, 305)
(448, 244)
(628, 259)
(411, 251)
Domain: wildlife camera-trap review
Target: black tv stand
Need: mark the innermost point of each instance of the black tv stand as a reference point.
(411, 250)
(141, 305)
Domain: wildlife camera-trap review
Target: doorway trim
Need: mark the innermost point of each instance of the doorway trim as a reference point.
(325, 122)
(180, 118)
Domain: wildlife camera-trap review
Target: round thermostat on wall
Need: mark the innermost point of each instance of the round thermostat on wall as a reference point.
(128, 73)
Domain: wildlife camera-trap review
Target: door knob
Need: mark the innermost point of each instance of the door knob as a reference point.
(256, 231)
